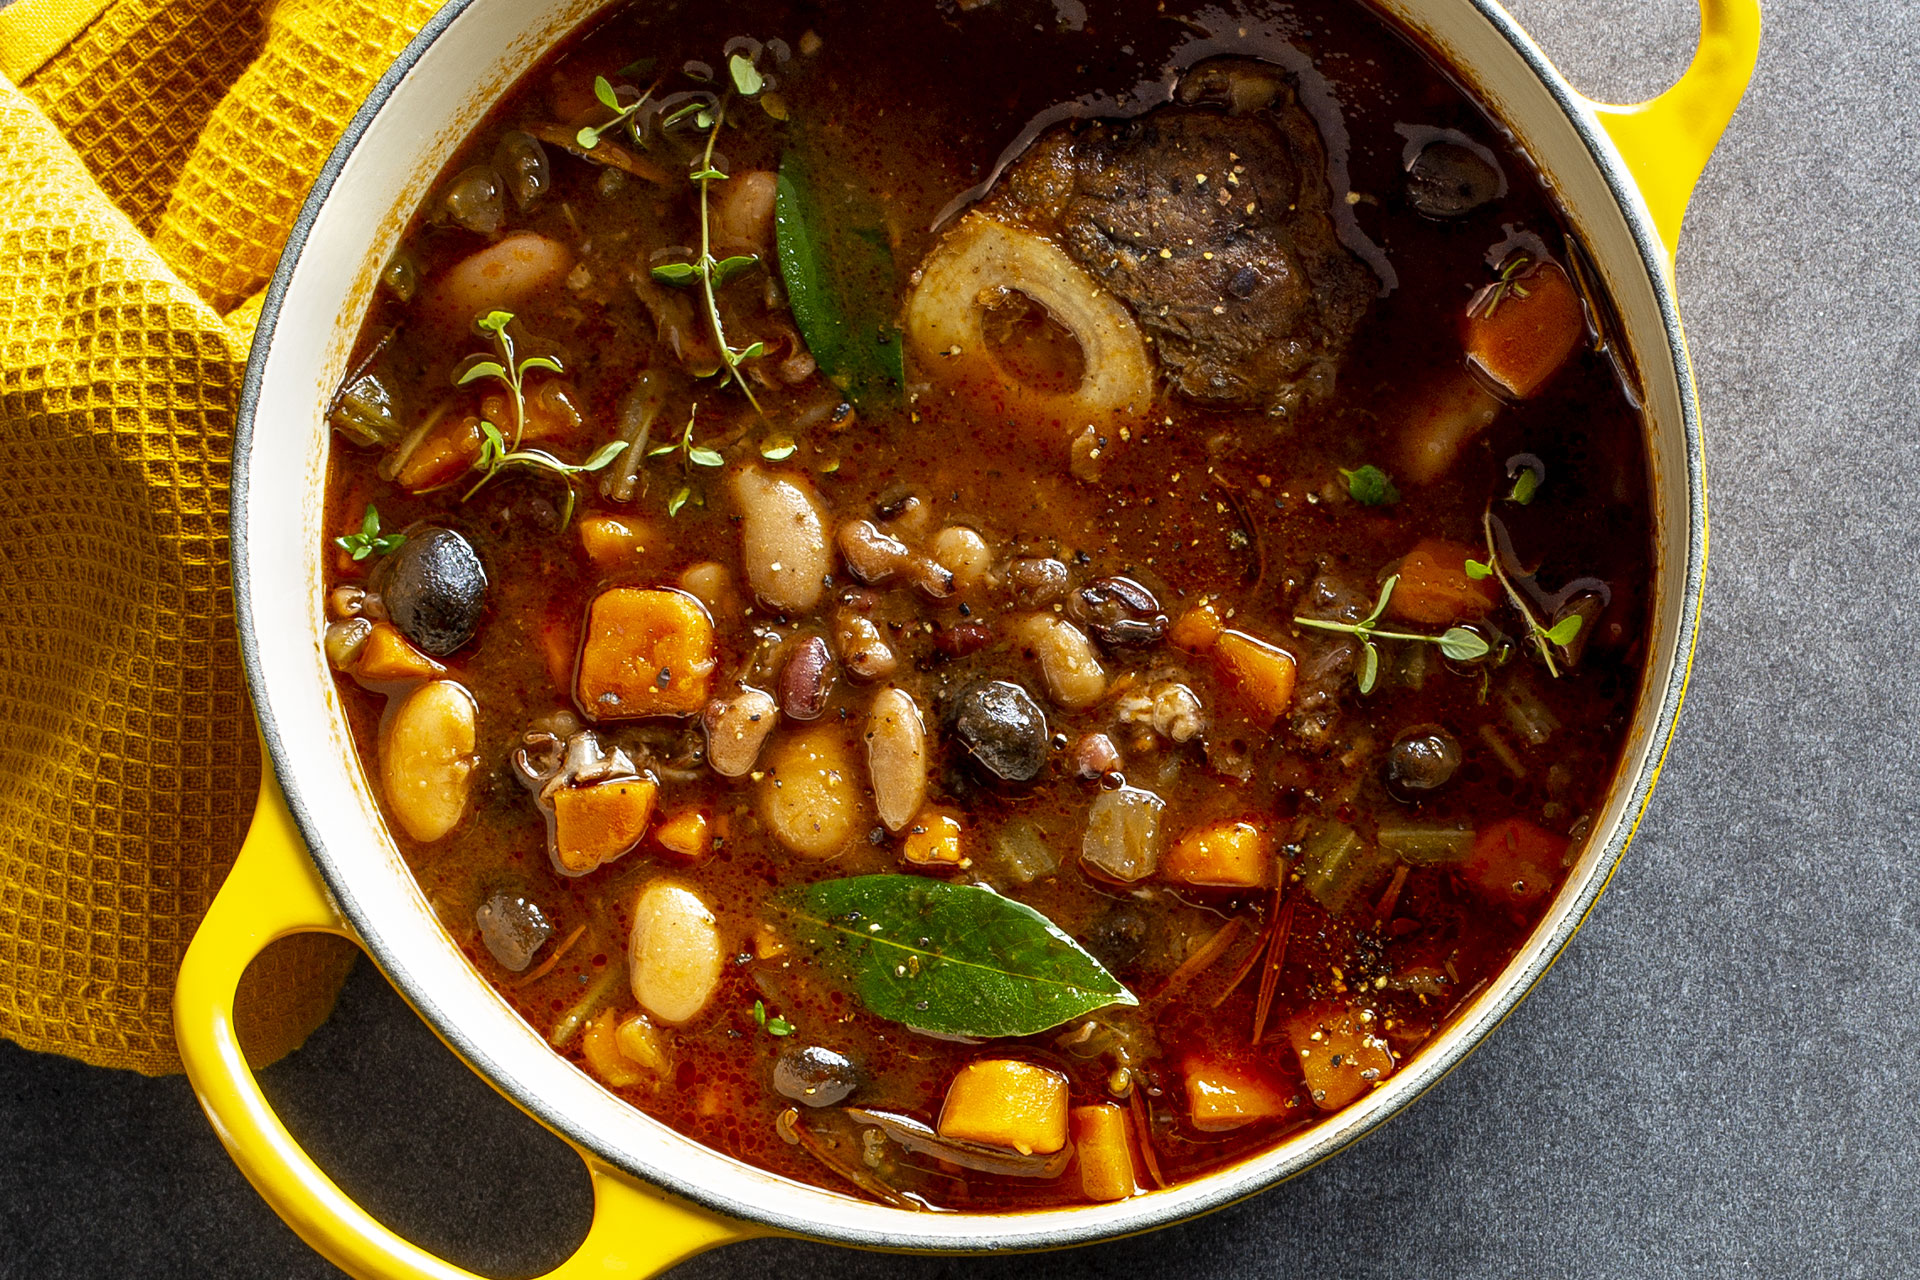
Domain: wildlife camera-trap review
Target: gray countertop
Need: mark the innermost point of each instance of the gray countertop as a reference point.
(1713, 1080)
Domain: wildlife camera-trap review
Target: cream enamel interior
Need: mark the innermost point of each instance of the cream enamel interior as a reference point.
(351, 227)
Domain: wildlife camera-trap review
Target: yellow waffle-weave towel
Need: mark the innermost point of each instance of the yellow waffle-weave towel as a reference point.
(153, 154)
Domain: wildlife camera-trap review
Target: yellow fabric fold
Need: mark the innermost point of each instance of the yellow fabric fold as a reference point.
(129, 765)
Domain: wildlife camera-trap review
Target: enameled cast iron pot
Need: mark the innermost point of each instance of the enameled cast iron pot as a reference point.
(319, 858)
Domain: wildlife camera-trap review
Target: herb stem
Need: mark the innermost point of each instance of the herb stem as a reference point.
(707, 272)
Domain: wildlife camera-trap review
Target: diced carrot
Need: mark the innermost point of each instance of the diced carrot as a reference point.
(648, 653)
(601, 1044)
(1515, 861)
(595, 824)
(551, 412)
(1440, 422)
(387, 657)
(1197, 628)
(686, 834)
(449, 449)
(1225, 1095)
(1434, 588)
(612, 542)
(643, 1043)
(1525, 339)
(1102, 1146)
(1340, 1053)
(1005, 1102)
(1263, 672)
(1229, 854)
(768, 944)
(933, 839)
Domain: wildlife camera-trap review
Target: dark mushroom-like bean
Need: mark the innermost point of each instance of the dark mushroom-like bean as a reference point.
(1003, 730)
(1035, 582)
(522, 164)
(806, 679)
(962, 638)
(1118, 938)
(434, 588)
(816, 1077)
(1119, 612)
(513, 927)
(1450, 180)
(1421, 761)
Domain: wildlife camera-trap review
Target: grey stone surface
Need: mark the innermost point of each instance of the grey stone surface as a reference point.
(1715, 1080)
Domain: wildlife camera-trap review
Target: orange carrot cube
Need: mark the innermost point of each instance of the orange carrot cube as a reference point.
(1341, 1053)
(1263, 672)
(1225, 1095)
(1434, 588)
(1515, 861)
(933, 839)
(388, 657)
(686, 834)
(1004, 1102)
(1233, 854)
(448, 449)
(595, 824)
(612, 542)
(1102, 1145)
(1519, 338)
(647, 653)
(1197, 629)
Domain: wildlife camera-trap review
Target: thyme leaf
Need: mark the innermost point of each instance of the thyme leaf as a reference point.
(370, 541)
(1462, 644)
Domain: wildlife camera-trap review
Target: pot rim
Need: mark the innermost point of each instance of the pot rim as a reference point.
(1052, 1228)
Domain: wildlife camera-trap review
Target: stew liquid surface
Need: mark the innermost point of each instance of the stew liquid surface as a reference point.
(1155, 466)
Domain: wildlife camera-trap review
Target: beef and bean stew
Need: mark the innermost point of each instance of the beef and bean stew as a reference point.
(993, 609)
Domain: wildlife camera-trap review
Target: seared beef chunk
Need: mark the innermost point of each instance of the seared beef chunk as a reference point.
(1210, 219)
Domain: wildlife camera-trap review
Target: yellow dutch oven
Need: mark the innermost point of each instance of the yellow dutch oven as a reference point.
(319, 858)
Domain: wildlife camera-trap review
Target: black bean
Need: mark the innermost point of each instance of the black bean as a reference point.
(816, 1077)
(1119, 612)
(1003, 730)
(1421, 761)
(434, 588)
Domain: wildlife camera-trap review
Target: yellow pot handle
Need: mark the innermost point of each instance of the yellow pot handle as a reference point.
(1666, 141)
(274, 891)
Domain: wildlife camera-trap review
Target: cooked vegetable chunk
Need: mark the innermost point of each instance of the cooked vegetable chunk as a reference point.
(687, 834)
(1522, 329)
(1103, 1146)
(1434, 587)
(647, 653)
(387, 657)
(1516, 861)
(1340, 1052)
(1232, 854)
(933, 840)
(594, 825)
(1225, 1094)
(1004, 1102)
(1264, 673)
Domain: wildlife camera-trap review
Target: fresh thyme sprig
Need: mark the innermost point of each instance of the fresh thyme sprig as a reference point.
(1488, 300)
(712, 273)
(1544, 638)
(1458, 643)
(370, 541)
(510, 371)
(589, 137)
(774, 1024)
(696, 455)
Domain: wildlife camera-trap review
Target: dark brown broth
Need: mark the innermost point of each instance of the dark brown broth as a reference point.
(917, 109)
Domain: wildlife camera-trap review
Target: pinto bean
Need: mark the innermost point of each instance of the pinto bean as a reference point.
(862, 650)
(427, 759)
(806, 679)
(896, 756)
(877, 558)
(1067, 662)
(674, 954)
(736, 728)
(808, 797)
(1036, 582)
(783, 539)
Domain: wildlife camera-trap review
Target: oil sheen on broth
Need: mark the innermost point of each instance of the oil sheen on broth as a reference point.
(992, 609)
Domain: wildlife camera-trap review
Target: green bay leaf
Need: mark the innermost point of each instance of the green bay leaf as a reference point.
(950, 959)
(840, 278)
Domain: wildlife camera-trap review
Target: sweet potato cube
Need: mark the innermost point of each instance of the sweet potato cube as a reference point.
(1232, 854)
(1102, 1145)
(1434, 588)
(1341, 1053)
(1438, 423)
(1224, 1095)
(933, 839)
(595, 824)
(600, 1042)
(1525, 339)
(1004, 1102)
(448, 449)
(1197, 629)
(1263, 672)
(1515, 862)
(686, 834)
(613, 543)
(387, 657)
(647, 653)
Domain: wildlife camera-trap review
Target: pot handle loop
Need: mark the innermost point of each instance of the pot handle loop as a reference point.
(274, 891)
(1666, 141)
